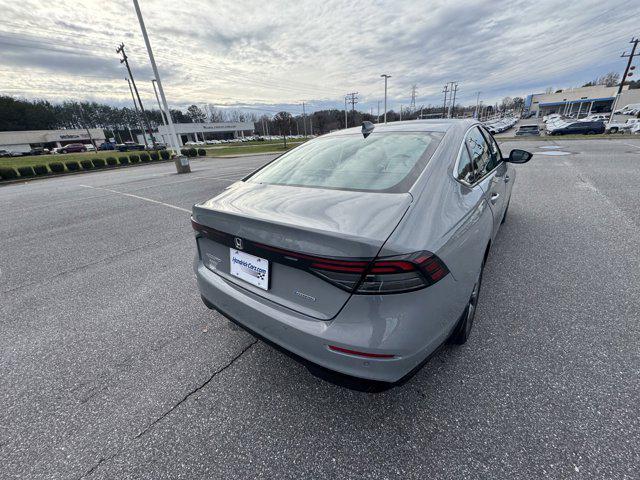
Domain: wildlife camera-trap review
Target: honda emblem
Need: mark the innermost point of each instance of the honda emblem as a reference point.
(238, 242)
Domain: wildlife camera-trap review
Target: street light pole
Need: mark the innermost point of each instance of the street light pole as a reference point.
(345, 112)
(386, 77)
(184, 163)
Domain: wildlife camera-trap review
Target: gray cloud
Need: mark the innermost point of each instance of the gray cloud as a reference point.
(279, 53)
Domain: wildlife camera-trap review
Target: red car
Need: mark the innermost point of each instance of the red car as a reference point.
(73, 148)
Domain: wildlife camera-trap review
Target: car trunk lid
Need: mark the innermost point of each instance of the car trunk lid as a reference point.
(274, 220)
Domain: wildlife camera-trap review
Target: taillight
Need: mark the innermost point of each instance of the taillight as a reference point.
(384, 275)
(403, 273)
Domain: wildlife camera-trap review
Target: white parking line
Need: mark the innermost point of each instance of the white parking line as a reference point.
(631, 145)
(151, 200)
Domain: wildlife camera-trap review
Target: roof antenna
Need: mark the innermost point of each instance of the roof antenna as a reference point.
(367, 128)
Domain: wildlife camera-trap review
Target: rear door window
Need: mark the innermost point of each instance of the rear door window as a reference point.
(465, 167)
(479, 150)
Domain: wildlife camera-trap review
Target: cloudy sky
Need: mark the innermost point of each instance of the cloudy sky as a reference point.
(273, 54)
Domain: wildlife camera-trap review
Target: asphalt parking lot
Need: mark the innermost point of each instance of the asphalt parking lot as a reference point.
(113, 368)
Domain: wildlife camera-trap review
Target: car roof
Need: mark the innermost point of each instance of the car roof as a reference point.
(441, 125)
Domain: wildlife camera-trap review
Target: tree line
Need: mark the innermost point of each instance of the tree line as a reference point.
(20, 114)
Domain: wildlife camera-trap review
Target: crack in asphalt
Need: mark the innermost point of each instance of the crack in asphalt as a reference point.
(165, 414)
(197, 389)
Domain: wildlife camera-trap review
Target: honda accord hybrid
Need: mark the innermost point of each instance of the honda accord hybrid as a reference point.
(361, 250)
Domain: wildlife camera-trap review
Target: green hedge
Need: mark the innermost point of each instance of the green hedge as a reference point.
(41, 170)
(202, 152)
(134, 158)
(86, 164)
(124, 160)
(165, 155)
(112, 161)
(154, 156)
(72, 166)
(56, 167)
(144, 157)
(7, 173)
(26, 171)
(99, 163)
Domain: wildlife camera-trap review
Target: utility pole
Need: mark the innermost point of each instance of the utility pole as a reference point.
(84, 121)
(345, 112)
(135, 105)
(452, 107)
(400, 112)
(634, 41)
(184, 163)
(444, 105)
(353, 99)
(125, 60)
(378, 111)
(386, 77)
(412, 105)
(304, 120)
(475, 115)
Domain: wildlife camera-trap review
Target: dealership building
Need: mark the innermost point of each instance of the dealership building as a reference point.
(206, 131)
(580, 101)
(24, 141)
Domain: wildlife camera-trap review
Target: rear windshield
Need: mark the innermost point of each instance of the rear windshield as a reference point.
(384, 162)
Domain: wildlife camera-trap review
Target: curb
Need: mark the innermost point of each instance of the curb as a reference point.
(81, 172)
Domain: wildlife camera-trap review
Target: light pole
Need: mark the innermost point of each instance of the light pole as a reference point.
(182, 166)
(477, 104)
(386, 77)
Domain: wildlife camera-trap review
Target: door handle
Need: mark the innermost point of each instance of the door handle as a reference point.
(494, 198)
(507, 178)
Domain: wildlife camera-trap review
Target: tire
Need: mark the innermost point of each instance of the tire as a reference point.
(591, 132)
(462, 332)
(63, 151)
(614, 130)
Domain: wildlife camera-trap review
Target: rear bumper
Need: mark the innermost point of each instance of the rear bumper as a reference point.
(392, 324)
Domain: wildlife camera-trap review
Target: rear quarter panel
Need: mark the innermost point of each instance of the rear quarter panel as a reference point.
(449, 219)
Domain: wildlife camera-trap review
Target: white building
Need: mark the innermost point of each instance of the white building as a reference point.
(24, 141)
(580, 101)
(206, 131)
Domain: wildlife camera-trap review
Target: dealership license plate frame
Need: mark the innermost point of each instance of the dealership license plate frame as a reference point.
(242, 268)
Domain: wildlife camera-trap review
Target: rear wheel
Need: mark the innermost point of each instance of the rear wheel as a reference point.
(463, 330)
(591, 132)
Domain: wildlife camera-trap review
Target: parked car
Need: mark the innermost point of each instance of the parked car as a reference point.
(528, 130)
(578, 128)
(73, 148)
(127, 146)
(377, 258)
(631, 109)
(37, 151)
(623, 127)
(90, 147)
(4, 153)
(107, 146)
(552, 116)
(596, 118)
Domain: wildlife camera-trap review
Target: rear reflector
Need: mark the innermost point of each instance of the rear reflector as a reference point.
(359, 354)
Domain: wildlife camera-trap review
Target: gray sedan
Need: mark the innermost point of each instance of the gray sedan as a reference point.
(361, 250)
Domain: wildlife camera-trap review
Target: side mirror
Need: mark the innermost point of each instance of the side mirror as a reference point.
(519, 156)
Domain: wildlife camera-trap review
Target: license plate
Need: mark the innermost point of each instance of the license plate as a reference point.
(251, 269)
